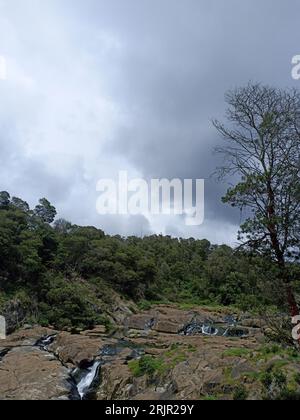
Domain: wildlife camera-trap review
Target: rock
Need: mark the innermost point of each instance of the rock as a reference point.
(148, 396)
(27, 337)
(171, 320)
(141, 321)
(166, 326)
(253, 323)
(98, 331)
(117, 382)
(119, 309)
(74, 349)
(15, 315)
(27, 373)
(212, 381)
(240, 368)
(237, 332)
(27, 327)
(197, 365)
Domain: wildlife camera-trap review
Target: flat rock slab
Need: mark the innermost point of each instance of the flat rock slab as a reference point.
(27, 373)
(73, 349)
(27, 337)
(169, 319)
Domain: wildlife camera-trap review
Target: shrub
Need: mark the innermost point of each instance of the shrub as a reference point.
(147, 365)
(68, 304)
(240, 393)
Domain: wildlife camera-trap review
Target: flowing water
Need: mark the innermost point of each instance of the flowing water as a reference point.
(208, 328)
(149, 325)
(85, 379)
(44, 342)
(81, 380)
(88, 379)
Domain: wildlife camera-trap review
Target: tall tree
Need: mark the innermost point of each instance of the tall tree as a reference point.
(45, 211)
(263, 151)
(20, 204)
(4, 199)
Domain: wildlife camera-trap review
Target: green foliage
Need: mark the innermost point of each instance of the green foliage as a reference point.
(4, 199)
(274, 382)
(240, 393)
(297, 378)
(238, 352)
(147, 365)
(144, 305)
(66, 269)
(160, 366)
(45, 211)
(68, 303)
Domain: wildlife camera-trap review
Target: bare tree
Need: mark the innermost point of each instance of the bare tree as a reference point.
(263, 150)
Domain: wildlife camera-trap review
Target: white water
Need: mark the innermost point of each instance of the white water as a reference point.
(208, 330)
(48, 340)
(45, 341)
(86, 382)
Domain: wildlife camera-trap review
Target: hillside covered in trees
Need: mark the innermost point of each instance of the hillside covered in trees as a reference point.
(56, 272)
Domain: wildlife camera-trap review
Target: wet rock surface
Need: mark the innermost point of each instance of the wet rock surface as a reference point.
(164, 353)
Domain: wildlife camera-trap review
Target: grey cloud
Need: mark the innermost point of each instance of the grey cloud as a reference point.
(97, 86)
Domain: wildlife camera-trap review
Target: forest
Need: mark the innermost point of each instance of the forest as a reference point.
(55, 271)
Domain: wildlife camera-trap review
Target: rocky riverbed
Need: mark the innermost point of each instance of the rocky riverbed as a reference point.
(163, 353)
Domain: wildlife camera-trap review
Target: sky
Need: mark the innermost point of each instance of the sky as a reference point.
(98, 86)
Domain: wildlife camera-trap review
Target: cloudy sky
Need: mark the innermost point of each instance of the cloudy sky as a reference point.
(98, 86)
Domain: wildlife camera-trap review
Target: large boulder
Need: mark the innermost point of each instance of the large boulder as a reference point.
(75, 348)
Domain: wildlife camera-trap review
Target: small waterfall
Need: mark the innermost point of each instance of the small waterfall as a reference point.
(230, 320)
(149, 325)
(197, 328)
(44, 342)
(85, 379)
(209, 330)
(87, 376)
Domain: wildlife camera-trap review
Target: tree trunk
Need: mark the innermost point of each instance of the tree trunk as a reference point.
(293, 306)
(294, 310)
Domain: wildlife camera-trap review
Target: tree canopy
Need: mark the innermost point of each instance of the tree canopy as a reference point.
(263, 151)
(62, 273)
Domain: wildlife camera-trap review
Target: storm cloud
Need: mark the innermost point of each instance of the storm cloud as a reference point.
(94, 87)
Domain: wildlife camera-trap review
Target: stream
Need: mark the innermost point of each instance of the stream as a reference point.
(228, 328)
(85, 379)
(81, 379)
